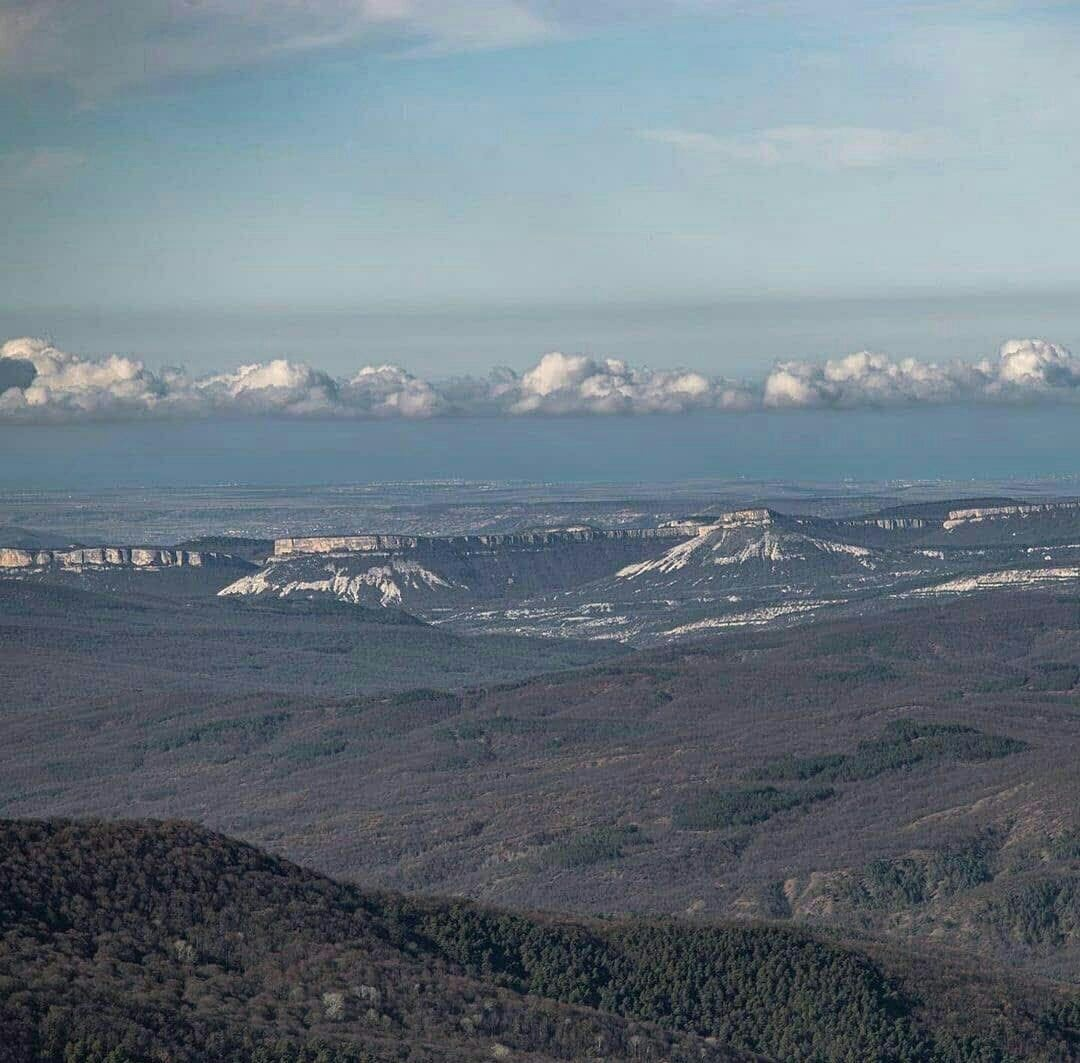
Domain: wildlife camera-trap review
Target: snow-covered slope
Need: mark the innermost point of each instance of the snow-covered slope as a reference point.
(1004, 579)
(680, 579)
(428, 575)
(745, 567)
(754, 548)
(386, 584)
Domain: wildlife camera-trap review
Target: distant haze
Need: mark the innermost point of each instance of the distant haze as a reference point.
(960, 443)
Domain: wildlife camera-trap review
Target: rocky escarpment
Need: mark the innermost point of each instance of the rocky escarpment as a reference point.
(751, 546)
(959, 517)
(584, 571)
(145, 557)
(366, 544)
(425, 574)
(890, 523)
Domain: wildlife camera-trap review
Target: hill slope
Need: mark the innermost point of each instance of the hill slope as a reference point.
(753, 547)
(912, 775)
(142, 941)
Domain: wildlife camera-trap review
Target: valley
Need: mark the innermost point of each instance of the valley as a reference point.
(391, 753)
(855, 726)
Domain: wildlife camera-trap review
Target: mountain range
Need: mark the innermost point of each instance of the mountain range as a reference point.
(768, 818)
(637, 586)
(749, 567)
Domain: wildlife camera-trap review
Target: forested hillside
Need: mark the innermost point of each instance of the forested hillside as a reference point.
(910, 776)
(141, 941)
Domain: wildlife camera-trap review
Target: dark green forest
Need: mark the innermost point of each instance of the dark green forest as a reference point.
(132, 942)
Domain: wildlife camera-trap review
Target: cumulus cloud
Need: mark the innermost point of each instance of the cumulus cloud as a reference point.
(39, 382)
(859, 380)
(1035, 365)
(560, 384)
(278, 386)
(388, 391)
(64, 384)
(1025, 370)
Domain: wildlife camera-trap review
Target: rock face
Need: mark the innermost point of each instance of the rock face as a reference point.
(364, 544)
(752, 547)
(12, 557)
(592, 581)
(960, 517)
(107, 557)
(426, 573)
(890, 523)
(642, 586)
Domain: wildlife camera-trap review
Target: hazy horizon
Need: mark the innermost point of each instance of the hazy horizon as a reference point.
(936, 443)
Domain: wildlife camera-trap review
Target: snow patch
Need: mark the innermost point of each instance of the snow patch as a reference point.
(726, 544)
(389, 580)
(1003, 579)
(751, 618)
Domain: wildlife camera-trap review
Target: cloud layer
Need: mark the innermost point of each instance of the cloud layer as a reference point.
(40, 383)
(1024, 370)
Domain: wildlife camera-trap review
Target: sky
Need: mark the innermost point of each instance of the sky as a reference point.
(376, 152)
(251, 205)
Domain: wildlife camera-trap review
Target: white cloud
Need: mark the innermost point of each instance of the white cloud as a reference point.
(561, 383)
(278, 386)
(1035, 365)
(1025, 370)
(39, 382)
(826, 147)
(65, 385)
(44, 383)
(389, 391)
(858, 380)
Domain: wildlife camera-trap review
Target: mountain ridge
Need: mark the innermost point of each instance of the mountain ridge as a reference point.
(130, 938)
(675, 580)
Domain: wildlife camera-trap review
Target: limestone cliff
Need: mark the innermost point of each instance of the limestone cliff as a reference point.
(145, 557)
(959, 517)
(890, 523)
(377, 544)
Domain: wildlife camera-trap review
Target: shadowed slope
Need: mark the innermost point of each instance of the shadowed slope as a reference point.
(146, 939)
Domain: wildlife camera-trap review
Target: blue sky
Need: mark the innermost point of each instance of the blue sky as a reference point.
(379, 155)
